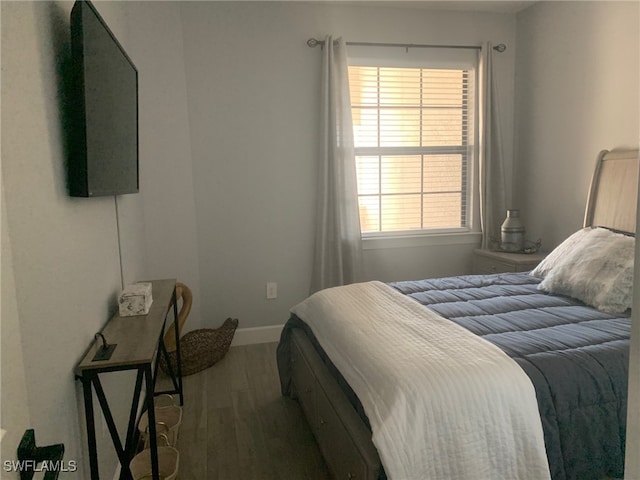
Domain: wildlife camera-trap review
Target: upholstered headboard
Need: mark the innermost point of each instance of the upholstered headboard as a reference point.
(613, 195)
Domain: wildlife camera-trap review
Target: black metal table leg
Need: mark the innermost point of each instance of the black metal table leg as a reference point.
(91, 428)
(153, 439)
(178, 355)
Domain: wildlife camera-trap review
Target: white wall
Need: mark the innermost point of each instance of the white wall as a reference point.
(166, 180)
(64, 250)
(253, 94)
(576, 94)
(14, 411)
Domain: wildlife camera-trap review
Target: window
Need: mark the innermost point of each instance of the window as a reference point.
(413, 133)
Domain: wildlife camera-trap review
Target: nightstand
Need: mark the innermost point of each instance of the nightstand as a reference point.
(487, 261)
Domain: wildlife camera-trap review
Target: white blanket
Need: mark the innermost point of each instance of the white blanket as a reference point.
(442, 402)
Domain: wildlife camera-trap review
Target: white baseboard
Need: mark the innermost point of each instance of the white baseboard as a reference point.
(249, 336)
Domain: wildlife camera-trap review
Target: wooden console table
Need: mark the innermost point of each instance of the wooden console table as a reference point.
(139, 344)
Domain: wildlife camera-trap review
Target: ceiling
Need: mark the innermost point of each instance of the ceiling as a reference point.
(496, 6)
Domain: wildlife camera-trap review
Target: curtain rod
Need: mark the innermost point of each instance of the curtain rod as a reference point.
(312, 42)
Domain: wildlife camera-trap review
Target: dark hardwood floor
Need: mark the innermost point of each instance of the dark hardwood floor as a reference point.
(236, 425)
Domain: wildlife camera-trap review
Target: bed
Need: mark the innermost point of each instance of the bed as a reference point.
(556, 365)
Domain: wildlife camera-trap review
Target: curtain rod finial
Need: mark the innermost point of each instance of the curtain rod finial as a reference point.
(501, 47)
(312, 42)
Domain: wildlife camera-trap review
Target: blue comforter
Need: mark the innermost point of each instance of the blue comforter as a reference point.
(577, 358)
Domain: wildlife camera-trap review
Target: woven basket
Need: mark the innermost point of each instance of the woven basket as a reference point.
(168, 420)
(200, 349)
(168, 463)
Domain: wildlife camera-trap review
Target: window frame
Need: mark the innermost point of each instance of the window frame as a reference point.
(470, 232)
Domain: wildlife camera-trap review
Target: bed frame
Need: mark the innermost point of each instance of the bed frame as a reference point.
(613, 195)
(343, 437)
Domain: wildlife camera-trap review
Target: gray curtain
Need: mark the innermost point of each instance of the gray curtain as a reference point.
(491, 178)
(338, 242)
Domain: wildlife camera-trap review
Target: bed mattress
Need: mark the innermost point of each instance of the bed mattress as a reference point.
(576, 356)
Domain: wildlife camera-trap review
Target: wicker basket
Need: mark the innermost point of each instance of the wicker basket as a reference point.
(200, 349)
(168, 463)
(168, 420)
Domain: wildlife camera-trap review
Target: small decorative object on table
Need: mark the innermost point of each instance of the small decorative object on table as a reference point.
(512, 233)
(135, 299)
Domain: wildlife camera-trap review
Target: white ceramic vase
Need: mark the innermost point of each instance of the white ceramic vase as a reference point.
(512, 232)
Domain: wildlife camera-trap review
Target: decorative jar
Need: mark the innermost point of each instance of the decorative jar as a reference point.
(512, 233)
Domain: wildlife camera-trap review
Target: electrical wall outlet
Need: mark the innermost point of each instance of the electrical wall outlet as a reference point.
(272, 290)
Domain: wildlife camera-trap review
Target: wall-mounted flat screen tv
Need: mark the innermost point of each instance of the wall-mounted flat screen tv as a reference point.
(104, 129)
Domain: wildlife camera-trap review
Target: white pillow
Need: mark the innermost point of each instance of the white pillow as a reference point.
(597, 271)
(562, 250)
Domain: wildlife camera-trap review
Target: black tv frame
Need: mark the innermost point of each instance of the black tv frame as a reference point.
(79, 164)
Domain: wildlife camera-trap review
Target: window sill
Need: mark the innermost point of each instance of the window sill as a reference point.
(424, 240)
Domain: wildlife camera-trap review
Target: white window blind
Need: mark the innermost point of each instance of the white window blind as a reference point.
(413, 133)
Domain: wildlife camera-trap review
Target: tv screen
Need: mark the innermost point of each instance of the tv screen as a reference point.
(104, 134)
